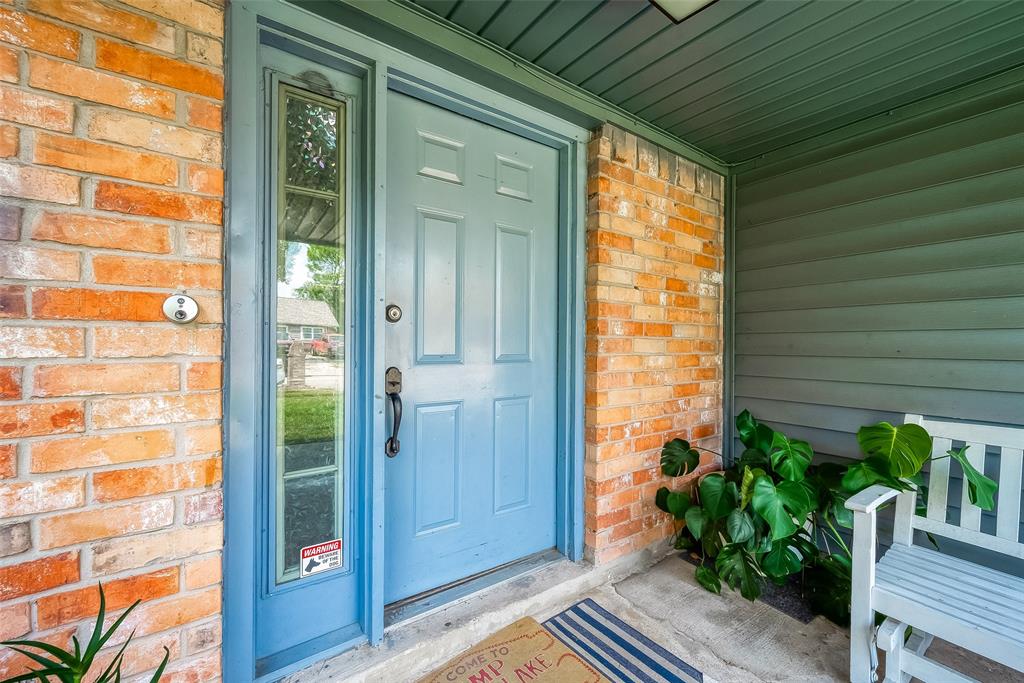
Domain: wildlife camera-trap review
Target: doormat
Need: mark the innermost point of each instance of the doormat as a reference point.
(620, 652)
(521, 653)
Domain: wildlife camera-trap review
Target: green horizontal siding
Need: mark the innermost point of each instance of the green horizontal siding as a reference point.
(882, 273)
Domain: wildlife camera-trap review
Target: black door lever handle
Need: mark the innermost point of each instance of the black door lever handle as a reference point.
(393, 390)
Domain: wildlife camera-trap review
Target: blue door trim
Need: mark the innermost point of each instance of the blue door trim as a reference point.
(384, 67)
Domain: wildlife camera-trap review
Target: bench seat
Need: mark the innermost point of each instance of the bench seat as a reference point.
(973, 606)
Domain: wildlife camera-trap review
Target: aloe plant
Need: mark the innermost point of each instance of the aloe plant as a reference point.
(73, 666)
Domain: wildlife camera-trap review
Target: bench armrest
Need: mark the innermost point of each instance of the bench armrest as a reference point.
(870, 498)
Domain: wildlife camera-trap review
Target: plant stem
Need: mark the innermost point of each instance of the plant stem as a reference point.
(839, 539)
(823, 536)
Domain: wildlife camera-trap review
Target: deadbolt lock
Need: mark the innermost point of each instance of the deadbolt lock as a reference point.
(393, 313)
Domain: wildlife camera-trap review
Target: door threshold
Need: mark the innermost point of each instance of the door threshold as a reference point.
(423, 603)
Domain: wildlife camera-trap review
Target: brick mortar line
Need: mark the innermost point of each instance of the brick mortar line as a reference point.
(110, 287)
(59, 21)
(113, 287)
(114, 431)
(79, 623)
(165, 564)
(100, 213)
(60, 323)
(92, 398)
(30, 241)
(158, 17)
(122, 146)
(650, 193)
(36, 553)
(34, 366)
(99, 177)
(178, 93)
(91, 504)
(179, 50)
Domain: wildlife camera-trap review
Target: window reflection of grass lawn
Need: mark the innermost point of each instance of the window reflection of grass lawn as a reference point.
(310, 415)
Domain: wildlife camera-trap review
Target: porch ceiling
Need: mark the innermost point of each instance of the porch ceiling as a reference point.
(742, 78)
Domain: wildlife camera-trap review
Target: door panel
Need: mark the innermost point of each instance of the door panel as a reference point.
(437, 455)
(439, 271)
(472, 261)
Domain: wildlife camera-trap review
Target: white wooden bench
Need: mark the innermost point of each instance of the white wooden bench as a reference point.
(977, 608)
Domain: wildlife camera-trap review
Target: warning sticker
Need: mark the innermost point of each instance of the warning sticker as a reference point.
(314, 559)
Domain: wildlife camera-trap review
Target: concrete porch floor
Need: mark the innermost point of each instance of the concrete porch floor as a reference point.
(728, 638)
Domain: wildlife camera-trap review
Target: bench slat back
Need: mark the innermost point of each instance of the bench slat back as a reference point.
(977, 437)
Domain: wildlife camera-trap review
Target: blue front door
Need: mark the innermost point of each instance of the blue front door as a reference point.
(472, 224)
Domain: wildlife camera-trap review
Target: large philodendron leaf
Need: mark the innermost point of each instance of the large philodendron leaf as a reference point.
(695, 520)
(799, 497)
(740, 526)
(718, 497)
(753, 458)
(746, 426)
(661, 499)
(980, 489)
(782, 560)
(713, 538)
(675, 503)
(790, 458)
(737, 567)
(678, 458)
(747, 484)
(906, 448)
(873, 469)
(763, 437)
(678, 503)
(768, 502)
(707, 578)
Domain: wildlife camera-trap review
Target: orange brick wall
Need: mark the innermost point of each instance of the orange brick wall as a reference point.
(654, 331)
(111, 186)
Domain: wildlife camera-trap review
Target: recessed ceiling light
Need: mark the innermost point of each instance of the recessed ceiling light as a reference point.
(677, 10)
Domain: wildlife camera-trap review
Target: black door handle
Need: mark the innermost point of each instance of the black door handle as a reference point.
(393, 389)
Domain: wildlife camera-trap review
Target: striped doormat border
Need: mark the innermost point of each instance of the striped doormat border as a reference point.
(623, 654)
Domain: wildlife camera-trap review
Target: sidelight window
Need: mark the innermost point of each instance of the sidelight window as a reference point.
(309, 399)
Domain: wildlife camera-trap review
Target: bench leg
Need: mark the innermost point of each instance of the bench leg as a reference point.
(862, 645)
(862, 614)
(891, 635)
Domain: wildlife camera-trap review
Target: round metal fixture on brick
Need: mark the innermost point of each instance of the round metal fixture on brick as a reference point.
(180, 308)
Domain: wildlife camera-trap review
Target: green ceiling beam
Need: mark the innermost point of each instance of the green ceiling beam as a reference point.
(426, 26)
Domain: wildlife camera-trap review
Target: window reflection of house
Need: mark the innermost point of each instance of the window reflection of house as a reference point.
(304, 319)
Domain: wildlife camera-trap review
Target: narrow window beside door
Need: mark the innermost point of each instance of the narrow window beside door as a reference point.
(309, 399)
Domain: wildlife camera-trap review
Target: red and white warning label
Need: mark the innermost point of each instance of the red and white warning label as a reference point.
(314, 559)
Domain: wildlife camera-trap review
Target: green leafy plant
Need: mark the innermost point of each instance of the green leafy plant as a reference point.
(775, 513)
(746, 518)
(73, 666)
